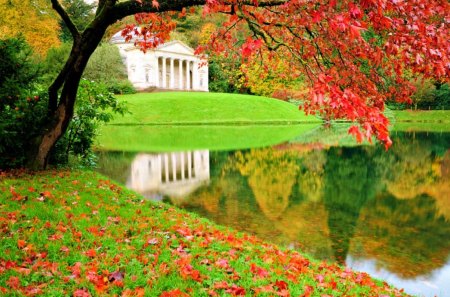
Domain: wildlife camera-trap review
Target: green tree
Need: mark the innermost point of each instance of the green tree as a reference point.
(81, 13)
(18, 70)
(22, 110)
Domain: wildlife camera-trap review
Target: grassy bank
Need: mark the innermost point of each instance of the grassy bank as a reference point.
(74, 233)
(208, 108)
(186, 137)
(422, 116)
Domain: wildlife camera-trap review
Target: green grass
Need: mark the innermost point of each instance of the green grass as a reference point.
(207, 108)
(437, 116)
(422, 126)
(162, 138)
(74, 233)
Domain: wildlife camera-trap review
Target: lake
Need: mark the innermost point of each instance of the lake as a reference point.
(382, 212)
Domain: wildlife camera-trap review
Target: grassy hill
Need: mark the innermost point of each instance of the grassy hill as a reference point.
(208, 108)
(178, 121)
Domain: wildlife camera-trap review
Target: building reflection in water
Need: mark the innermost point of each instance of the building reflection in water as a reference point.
(175, 174)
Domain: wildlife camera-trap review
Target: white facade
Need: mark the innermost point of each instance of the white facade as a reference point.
(175, 174)
(172, 66)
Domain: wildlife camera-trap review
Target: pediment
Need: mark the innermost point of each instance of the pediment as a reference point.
(176, 46)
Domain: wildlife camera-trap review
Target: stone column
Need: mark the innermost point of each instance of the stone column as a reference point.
(172, 74)
(180, 74)
(188, 78)
(156, 76)
(164, 73)
(195, 76)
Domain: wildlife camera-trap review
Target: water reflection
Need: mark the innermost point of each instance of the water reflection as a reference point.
(387, 213)
(175, 174)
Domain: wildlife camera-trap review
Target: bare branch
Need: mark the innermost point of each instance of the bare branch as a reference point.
(66, 18)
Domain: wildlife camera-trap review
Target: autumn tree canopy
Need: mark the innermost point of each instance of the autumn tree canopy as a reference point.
(33, 19)
(354, 54)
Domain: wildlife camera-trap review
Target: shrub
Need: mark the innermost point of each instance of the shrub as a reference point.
(21, 122)
(22, 110)
(18, 72)
(95, 105)
(442, 94)
(121, 87)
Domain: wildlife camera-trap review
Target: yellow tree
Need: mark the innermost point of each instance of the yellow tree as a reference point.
(272, 72)
(34, 19)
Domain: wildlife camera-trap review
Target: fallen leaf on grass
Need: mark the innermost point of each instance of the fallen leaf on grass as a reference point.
(91, 253)
(81, 293)
(174, 293)
(116, 276)
(13, 282)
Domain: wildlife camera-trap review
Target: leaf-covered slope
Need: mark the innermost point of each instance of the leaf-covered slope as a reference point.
(75, 233)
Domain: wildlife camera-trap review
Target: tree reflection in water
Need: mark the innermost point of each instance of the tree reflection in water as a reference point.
(359, 201)
(340, 202)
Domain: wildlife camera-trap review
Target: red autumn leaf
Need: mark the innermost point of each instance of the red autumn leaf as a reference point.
(46, 194)
(320, 278)
(91, 253)
(282, 285)
(307, 291)
(21, 243)
(32, 291)
(13, 282)
(235, 290)
(138, 292)
(174, 293)
(258, 271)
(76, 270)
(221, 285)
(81, 293)
(222, 263)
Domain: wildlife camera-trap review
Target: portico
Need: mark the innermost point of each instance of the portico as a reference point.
(172, 65)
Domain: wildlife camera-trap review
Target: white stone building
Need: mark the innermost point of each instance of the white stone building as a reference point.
(172, 65)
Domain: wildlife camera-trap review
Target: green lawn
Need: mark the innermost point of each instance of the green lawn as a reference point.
(438, 116)
(207, 108)
(75, 233)
(160, 138)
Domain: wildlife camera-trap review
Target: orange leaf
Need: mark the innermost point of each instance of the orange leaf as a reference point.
(21, 243)
(91, 253)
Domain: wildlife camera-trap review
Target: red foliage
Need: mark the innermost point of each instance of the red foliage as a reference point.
(353, 54)
(174, 293)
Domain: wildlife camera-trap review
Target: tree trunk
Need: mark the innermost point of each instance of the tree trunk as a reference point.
(61, 117)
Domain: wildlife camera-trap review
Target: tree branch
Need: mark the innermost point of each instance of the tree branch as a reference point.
(130, 7)
(66, 18)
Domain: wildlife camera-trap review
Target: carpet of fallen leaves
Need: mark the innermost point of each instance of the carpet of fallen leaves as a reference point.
(75, 233)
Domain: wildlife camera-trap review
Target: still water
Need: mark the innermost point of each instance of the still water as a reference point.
(385, 213)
